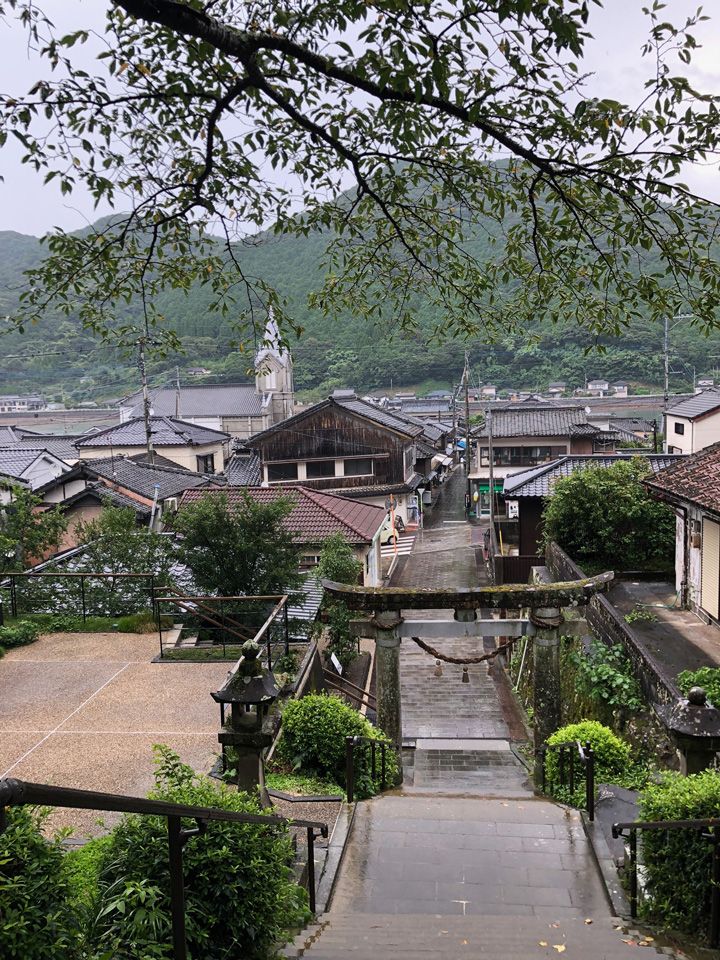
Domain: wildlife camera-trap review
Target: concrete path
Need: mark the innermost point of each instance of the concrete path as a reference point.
(85, 710)
(679, 639)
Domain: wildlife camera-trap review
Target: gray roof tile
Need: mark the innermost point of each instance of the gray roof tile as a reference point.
(141, 478)
(201, 400)
(696, 406)
(244, 471)
(537, 482)
(166, 432)
(535, 421)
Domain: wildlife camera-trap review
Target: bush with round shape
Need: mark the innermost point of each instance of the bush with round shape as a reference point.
(679, 862)
(612, 755)
(314, 729)
(239, 894)
(34, 922)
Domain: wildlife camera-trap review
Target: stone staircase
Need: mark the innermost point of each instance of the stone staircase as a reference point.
(457, 875)
(493, 936)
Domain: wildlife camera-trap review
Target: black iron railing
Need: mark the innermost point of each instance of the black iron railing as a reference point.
(21, 793)
(373, 746)
(89, 594)
(568, 767)
(708, 829)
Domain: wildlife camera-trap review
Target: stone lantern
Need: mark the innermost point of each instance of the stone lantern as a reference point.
(250, 690)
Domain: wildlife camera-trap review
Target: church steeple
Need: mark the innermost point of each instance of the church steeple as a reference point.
(274, 372)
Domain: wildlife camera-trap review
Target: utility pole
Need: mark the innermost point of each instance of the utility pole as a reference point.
(146, 399)
(177, 392)
(454, 425)
(491, 473)
(667, 359)
(467, 413)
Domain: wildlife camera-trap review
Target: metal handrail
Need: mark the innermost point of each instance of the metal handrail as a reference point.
(712, 824)
(349, 693)
(586, 756)
(21, 792)
(333, 677)
(350, 744)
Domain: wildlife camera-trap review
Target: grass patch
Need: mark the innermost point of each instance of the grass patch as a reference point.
(82, 869)
(305, 785)
(73, 623)
(201, 654)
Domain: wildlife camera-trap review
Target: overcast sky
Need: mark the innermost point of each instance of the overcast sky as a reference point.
(614, 57)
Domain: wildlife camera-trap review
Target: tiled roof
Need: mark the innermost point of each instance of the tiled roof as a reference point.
(201, 400)
(15, 461)
(695, 479)
(369, 411)
(537, 482)
(315, 516)
(166, 432)
(141, 477)
(535, 421)
(102, 492)
(424, 449)
(632, 424)
(393, 420)
(696, 406)
(244, 471)
(62, 445)
(384, 489)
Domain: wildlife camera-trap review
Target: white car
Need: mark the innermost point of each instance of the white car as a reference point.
(386, 534)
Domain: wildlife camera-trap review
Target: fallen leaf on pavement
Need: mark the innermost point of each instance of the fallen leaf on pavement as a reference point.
(556, 925)
(559, 947)
(464, 943)
(543, 943)
(633, 943)
(588, 921)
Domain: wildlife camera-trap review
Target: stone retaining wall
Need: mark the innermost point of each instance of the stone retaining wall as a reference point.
(608, 625)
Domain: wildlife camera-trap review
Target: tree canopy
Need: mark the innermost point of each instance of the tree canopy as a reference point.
(604, 519)
(414, 134)
(239, 548)
(28, 532)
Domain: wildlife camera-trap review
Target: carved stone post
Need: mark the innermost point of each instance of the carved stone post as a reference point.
(387, 660)
(546, 681)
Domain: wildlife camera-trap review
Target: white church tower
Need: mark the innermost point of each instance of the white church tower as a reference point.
(274, 375)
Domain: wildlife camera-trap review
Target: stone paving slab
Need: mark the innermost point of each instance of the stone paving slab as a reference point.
(441, 852)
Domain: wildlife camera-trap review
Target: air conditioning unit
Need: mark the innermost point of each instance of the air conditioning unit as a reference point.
(170, 505)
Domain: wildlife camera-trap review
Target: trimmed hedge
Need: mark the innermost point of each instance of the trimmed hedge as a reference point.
(313, 738)
(612, 755)
(678, 862)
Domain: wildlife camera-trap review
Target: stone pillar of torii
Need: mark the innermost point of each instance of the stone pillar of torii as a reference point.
(388, 620)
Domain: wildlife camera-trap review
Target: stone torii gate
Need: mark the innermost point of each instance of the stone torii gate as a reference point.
(545, 603)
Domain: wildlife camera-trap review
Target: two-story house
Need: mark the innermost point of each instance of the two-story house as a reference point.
(693, 424)
(598, 388)
(185, 444)
(346, 445)
(527, 435)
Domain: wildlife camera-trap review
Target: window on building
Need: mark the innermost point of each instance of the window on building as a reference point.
(282, 471)
(360, 467)
(680, 428)
(315, 469)
(206, 464)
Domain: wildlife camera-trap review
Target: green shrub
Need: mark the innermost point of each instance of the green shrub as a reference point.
(706, 677)
(606, 674)
(34, 923)
(23, 633)
(67, 623)
(143, 622)
(612, 755)
(313, 738)
(678, 862)
(239, 893)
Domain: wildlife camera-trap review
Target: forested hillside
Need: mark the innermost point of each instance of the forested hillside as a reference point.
(329, 354)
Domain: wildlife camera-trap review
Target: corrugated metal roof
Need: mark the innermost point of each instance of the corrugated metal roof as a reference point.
(201, 400)
(538, 481)
(315, 515)
(165, 431)
(696, 406)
